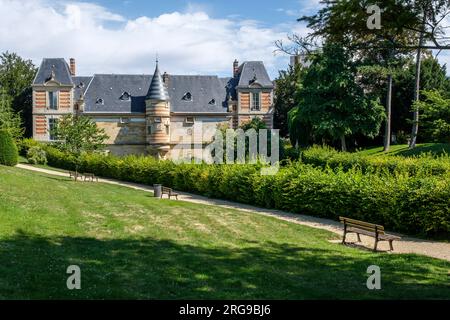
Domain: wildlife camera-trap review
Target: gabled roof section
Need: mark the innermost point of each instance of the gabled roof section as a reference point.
(81, 85)
(157, 90)
(105, 91)
(209, 94)
(56, 67)
(253, 73)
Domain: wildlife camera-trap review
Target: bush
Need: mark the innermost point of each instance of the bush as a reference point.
(9, 155)
(419, 165)
(401, 202)
(25, 144)
(36, 155)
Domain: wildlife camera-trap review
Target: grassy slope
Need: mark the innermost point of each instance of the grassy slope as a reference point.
(130, 245)
(403, 150)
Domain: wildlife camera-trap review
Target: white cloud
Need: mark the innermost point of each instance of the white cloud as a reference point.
(104, 42)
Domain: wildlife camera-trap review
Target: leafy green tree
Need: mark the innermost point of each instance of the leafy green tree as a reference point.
(287, 84)
(332, 104)
(435, 113)
(78, 134)
(9, 120)
(16, 77)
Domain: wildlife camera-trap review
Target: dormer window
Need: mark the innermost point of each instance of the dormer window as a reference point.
(99, 101)
(187, 96)
(125, 96)
(189, 120)
(212, 102)
(80, 85)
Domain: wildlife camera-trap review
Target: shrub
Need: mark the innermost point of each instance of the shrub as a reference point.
(419, 165)
(36, 155)
(25, 144)
(414, 204)
(9, 155)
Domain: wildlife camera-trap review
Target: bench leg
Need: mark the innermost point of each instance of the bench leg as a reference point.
(390, 245)
(376, 244)
(359, 238)
(176, 197)
(343, 237)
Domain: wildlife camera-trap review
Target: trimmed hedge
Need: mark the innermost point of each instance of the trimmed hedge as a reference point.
(421, 165)
(9, 155)
(401, 202)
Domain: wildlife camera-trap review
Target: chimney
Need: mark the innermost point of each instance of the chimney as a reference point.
(235, 68)
(72, 66)
(165, 77)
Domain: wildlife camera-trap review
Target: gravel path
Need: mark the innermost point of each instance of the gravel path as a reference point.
(407, 244)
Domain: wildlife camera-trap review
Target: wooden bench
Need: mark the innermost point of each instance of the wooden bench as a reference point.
(75, 175)
(169, 192)
(369, 229)
(90, 177)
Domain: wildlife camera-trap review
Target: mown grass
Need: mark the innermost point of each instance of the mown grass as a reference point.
(130, 245)
(435, 149)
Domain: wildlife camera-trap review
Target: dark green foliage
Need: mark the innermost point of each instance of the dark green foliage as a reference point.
(422, 165)
(411, 204)
(435, 110)
(9, 155)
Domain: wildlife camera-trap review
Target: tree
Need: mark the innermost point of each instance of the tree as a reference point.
(78, 134)
(9, 120)
(16, 77)
(436, 116)
(332, 104)
(287, 84)
(8, 149)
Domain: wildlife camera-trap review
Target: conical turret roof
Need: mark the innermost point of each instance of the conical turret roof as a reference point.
(157, 90)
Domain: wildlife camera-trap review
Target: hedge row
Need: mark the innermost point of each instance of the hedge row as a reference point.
(421, 165)
(402, 203)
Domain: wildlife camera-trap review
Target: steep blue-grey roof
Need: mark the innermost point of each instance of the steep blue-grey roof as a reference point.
(253, 71)
(81, 84)
(157, 90)
(60, 68)
(105, 93)
(208, 93)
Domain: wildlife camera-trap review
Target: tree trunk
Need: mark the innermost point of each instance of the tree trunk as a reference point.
(415, 127)
(343, 145)
(387, 130)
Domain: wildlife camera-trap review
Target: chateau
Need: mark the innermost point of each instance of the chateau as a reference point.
(144, 114)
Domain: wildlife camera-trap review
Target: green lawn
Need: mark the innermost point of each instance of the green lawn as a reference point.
(402, 150)
(130, 245)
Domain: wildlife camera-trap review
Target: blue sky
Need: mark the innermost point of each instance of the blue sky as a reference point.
(190, 37)
(124, 36)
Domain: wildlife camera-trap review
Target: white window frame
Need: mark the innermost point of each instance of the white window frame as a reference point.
(252, 101)
(54, 121)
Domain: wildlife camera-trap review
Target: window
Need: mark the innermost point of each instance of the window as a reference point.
(189, 120)
(157, 119)
(256, 102)
(213, 101)
(53, 100)
(99, 101)
(125, 96)
(52, 123)
(149, 129)
(187, 96)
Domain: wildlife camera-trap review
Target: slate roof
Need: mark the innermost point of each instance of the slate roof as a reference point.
(157, 90)
(60, 68)
(81, 84)
(251, 70)
(111, 87)
(209, 93)
(107, 93)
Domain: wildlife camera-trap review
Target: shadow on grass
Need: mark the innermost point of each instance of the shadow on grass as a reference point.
(34, 267)
(436, 149)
